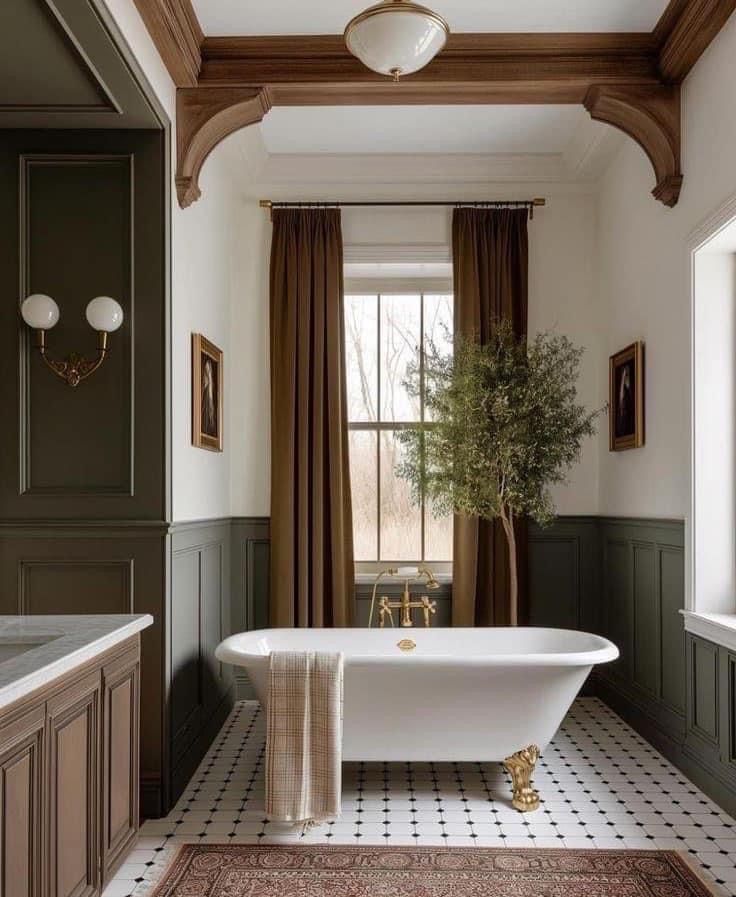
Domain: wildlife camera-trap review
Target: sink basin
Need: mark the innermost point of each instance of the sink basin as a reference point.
(10, 649)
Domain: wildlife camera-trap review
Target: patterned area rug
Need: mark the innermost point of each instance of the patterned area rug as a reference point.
(213, 870)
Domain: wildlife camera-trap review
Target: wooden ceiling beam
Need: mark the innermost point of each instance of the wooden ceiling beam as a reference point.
(629, 81)
(468, 59)
(688, 33)
(178, 36)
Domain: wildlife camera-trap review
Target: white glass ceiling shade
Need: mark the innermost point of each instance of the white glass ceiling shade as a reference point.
(105, 314)
(396, 37)
(40, 311)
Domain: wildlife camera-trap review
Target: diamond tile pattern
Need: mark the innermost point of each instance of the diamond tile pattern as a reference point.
(601, 786)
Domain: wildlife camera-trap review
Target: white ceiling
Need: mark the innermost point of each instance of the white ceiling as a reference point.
(420, 129)
(222, 17)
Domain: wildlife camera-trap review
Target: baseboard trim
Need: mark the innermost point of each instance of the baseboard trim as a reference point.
(188, 763)
(152, 800)
(718, 784)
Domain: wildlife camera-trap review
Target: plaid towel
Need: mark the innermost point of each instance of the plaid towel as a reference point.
(304, 737)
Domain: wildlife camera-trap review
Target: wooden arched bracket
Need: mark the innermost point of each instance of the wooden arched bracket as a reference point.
(205, 116)
(650, 114)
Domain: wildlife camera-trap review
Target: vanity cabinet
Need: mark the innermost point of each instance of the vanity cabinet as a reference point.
(69, 789)
(73, 726)
(120, 759)
(21, 788)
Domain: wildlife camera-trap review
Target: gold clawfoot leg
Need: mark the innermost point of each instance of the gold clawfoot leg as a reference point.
(520, 766)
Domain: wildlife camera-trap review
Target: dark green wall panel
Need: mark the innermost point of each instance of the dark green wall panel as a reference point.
(84, 215)
(84, 472)
(553, 572)
(77, 243)
(672, 598)
(201, 687)
(96, 568)
(617, 610)
(66, 586)
(562, 572)
(250, 576)
(647, 635)
(704, 677)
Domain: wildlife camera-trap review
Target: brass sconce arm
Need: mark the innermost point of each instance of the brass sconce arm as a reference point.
(41, 313)
(74, 368)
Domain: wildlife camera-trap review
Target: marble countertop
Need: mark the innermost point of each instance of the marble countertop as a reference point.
(35, 650)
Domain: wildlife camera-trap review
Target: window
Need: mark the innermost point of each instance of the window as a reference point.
(386, 333)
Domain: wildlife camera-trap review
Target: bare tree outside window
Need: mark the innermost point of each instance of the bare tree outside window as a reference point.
(385, 337)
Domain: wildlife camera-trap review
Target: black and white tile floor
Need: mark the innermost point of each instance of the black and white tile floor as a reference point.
(601, 785)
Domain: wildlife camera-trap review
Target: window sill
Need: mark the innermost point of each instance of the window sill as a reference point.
(717, 628)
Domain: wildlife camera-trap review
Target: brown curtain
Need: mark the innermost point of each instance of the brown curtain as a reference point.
(490, 256)
(312, 571)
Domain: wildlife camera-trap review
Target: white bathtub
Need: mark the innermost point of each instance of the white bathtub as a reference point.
(459, 695)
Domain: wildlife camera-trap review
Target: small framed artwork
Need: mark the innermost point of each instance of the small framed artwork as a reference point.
(626, 408)
(206, 394)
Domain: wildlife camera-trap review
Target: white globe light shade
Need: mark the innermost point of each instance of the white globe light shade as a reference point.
(40, 311)
(104, 313)
(396, 37)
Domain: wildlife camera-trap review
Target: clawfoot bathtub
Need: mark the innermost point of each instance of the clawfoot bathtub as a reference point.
(442, 695)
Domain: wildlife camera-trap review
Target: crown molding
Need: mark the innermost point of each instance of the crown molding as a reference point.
(314, 169)
(590, 149)
(176, 32)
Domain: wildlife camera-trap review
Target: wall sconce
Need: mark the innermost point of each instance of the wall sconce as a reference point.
(41, 313)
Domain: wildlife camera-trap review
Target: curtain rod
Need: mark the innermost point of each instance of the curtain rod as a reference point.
(297, 204)
(479, 204)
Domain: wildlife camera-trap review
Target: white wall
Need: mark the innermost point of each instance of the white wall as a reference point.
(249, 405)
(216, 260)
(645, 287)
(211, 288)
(714, 523)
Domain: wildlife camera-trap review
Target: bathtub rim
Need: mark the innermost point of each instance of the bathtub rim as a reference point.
(230, 650)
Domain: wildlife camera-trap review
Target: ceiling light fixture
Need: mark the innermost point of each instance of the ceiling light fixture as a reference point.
(396, 37)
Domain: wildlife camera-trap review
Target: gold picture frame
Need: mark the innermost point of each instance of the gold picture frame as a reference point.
(626, 398)
(206, 394)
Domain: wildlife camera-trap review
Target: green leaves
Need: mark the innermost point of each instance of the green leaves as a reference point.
(505, 426)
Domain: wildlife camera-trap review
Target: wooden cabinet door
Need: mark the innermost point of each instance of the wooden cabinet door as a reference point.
(21, 784)
(73, 789)
(120, 737)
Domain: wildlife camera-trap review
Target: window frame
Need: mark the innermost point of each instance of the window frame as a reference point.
(406, 286)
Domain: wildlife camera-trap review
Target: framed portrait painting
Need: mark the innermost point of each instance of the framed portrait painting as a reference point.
(206, 394)
(626, 402)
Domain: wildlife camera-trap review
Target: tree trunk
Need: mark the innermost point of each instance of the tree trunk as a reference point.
(508, 528)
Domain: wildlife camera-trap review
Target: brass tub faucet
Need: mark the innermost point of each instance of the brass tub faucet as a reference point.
(405, 605)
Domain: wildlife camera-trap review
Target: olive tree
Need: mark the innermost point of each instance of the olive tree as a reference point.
(503, 424)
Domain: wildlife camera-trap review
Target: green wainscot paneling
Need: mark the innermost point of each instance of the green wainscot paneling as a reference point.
(201, 690)
(563, 561)
(250, 576)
